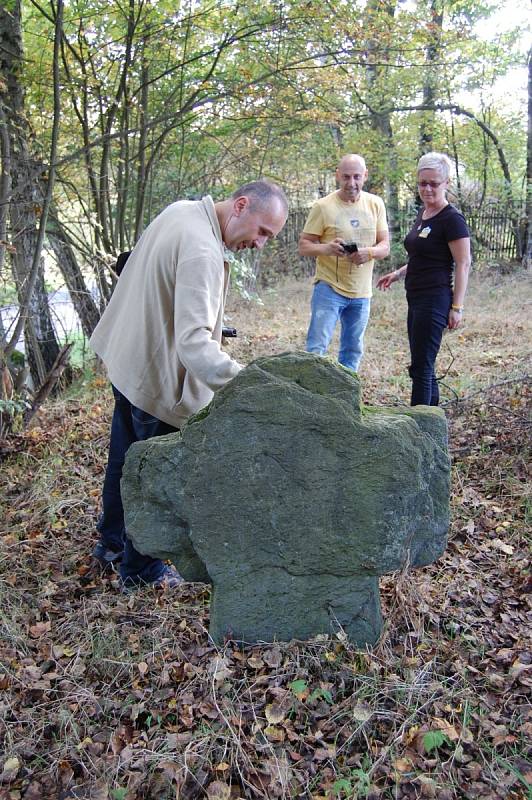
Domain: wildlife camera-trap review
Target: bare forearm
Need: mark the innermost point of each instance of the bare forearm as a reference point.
(380, 250)
(401, 272)
(461, 252)
(460, 283)
(309, 249)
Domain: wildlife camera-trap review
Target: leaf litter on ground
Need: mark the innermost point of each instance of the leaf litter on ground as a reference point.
(113, 696)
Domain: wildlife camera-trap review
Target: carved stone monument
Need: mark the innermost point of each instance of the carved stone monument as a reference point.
(291, 498)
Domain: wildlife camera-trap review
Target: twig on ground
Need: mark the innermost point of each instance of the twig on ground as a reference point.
(467, 397)
(53, 376)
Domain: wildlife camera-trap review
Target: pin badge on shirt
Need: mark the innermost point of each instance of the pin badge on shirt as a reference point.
(354, 223)
(424, 233)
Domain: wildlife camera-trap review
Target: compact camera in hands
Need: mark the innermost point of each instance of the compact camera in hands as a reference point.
(350, 247)
(228, 333)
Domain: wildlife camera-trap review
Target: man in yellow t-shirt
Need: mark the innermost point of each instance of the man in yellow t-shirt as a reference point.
(342, 291)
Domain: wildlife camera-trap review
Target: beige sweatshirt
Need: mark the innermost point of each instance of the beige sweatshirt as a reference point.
(160, 335)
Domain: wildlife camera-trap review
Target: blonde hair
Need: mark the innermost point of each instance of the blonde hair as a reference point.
(437, 161)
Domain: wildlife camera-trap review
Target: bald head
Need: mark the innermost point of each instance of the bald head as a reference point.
(351, 161)
(351, 175)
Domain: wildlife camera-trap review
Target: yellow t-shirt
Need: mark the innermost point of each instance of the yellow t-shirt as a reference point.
(330, 218)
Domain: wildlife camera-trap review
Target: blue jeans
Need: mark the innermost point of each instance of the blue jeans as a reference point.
(327, 307)
(129, 424)
(428, 315)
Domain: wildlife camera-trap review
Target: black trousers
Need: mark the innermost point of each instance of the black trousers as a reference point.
(428, 315)
(129, 424)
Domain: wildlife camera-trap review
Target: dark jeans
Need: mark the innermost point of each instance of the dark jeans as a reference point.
(129, 424)
(427, 319)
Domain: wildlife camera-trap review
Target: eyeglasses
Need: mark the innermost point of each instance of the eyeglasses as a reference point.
(432, 184)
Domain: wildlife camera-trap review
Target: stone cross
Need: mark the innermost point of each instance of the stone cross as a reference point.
(291, 498)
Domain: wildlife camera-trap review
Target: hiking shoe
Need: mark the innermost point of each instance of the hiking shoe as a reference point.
(106, 558)
(169, 578)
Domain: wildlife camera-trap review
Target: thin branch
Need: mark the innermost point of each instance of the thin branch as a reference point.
(193, 104)
(484, 389)
(58, 367)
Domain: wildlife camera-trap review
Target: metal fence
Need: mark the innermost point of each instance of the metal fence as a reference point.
(493, 237)
(494, 234)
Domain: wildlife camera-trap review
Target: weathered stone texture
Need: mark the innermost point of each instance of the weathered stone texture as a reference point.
(291, 499)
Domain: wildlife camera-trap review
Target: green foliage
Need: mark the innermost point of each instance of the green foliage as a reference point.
(119, 794)
(342, 786)
(17, 358)
(199, 98)
(433, 740)
(8, 294)
(357, 784)
(11, 415)
(12, 407)
(81, 350)
(321, 694)
(243, 275)
(298, 686)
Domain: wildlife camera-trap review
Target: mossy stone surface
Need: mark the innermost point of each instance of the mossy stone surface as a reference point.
(291, 498)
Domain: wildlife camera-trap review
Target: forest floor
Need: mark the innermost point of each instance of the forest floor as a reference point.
(107, 696)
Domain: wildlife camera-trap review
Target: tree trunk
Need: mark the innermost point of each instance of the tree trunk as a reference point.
(430, 79)
(381, 122)
(26, 201)
(5, 182)
(527, 239)
(82, 300)
(41, 344)
(454, 146)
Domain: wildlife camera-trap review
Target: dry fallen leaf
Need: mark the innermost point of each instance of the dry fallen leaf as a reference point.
(218, 668)
(503, 547)
(272, 658)
(100, 791)
(34, 791)
(39, 629)
(440, 724)
(362, 712)
(276, 712)
(411, 734)
(402, 765)
(218, 791)
(323, 753)
(10, 770)
(274, 734)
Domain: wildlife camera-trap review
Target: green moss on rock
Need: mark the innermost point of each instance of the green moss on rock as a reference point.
(292, 499)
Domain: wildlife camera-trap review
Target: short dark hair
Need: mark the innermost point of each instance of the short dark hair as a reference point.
(261, 193)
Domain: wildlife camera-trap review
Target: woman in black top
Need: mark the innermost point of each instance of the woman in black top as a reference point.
(438, 241)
